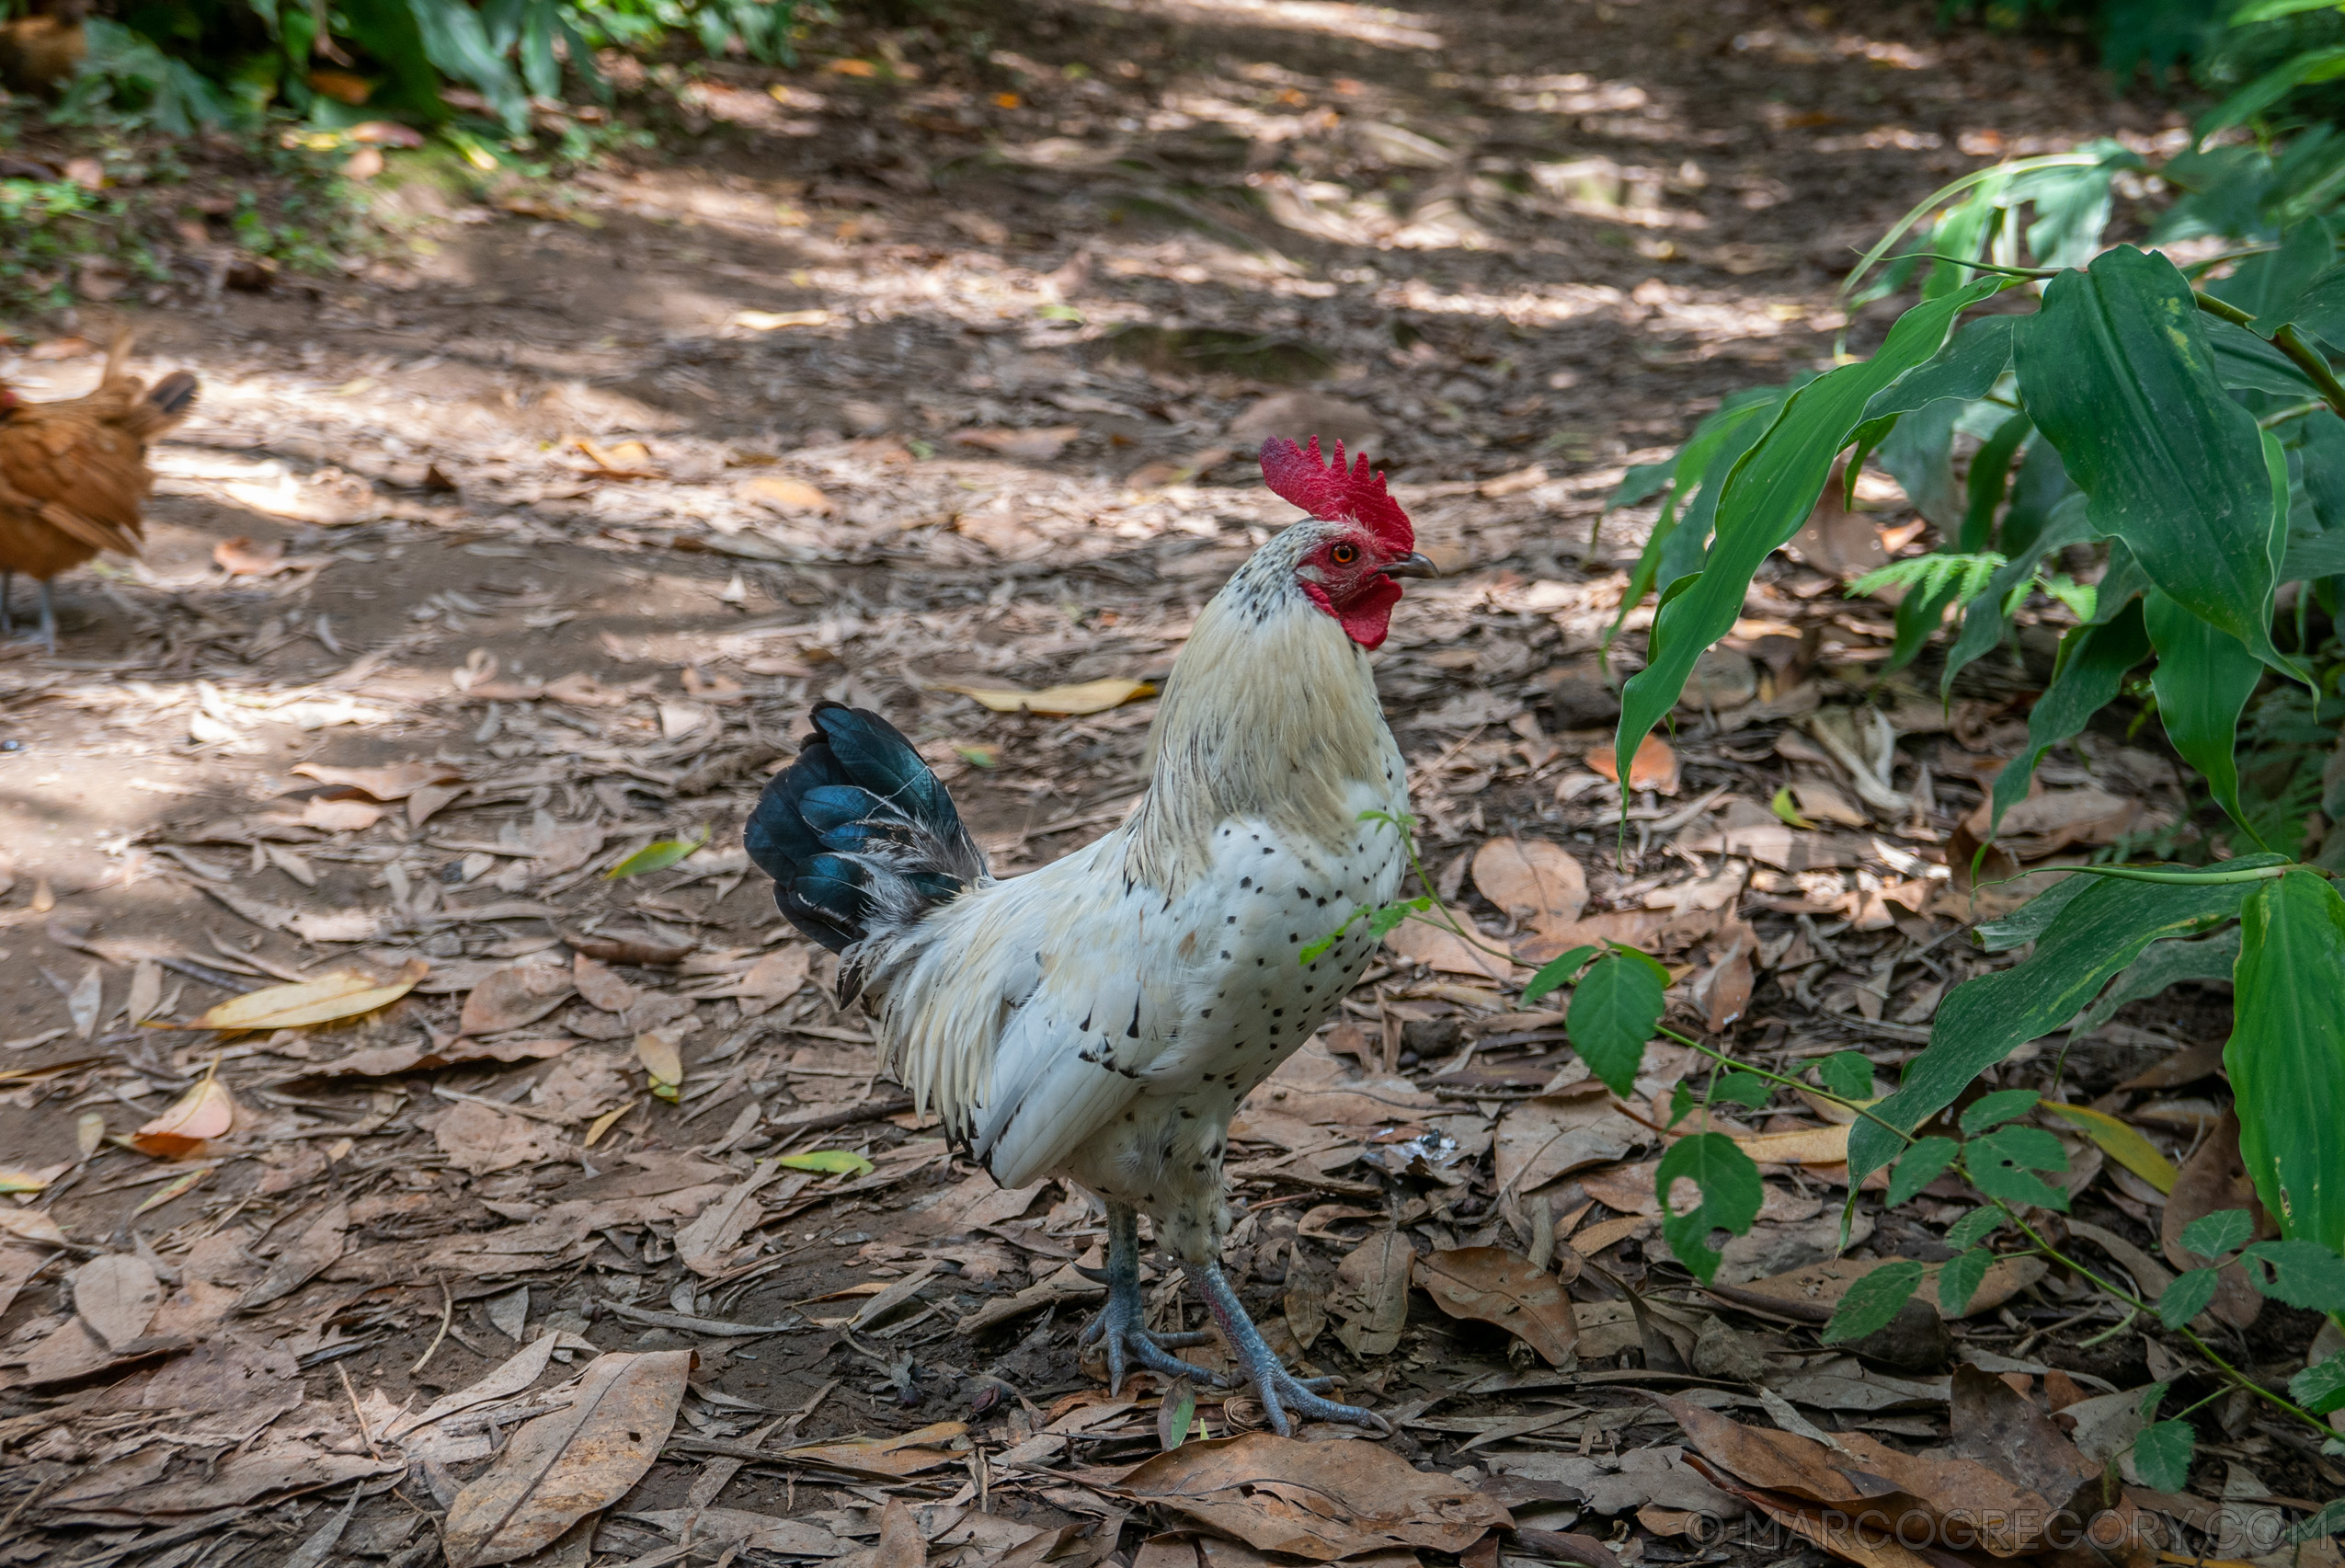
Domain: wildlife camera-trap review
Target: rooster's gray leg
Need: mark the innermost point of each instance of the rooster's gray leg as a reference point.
(1278, 1388)
(1121, 1324)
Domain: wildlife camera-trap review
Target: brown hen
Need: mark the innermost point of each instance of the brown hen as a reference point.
(73, 474)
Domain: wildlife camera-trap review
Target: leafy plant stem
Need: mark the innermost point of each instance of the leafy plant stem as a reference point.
(2315, 368)
(2273, 421)
(1788, 1082)
(2186, 878)
(2231, 1374)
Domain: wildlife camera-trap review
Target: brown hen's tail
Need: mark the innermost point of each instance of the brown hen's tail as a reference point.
(164, 406)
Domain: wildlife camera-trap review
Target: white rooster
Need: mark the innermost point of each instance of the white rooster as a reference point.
(1100, 1020)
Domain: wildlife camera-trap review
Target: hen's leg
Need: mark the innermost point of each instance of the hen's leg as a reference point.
(48, 618)
(7, 581)
(1121, 1324)
(1280, 1391)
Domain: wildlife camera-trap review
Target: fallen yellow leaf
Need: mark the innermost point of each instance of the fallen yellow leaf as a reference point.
(770, 320)
(344, 994)
(2121, 1143)
(785, 494)
(204, 1111)
(662, 1061)
(1799, 1146)
(1062, 702)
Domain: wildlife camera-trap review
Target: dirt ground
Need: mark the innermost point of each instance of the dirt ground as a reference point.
(552, 521)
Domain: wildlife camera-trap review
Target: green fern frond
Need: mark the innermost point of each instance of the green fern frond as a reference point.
(1930, 574)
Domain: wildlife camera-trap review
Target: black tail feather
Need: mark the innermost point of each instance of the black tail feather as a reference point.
(174, 393)
(858, 833)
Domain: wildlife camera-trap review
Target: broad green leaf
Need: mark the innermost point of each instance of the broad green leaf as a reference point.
(2320, 309)
(2117, 371)
(2152, 1397)
(2186, 1295)
(2096, 932)
(1640, 483)
(2330, 1520)
(2162, 1455)
(2320, 1388)
(1983, 623)
(828, 1161)
(2004, 1164)
(1917, 448)
(2093, 663)
(2039, 491)
(1743, 1089)
(1959, 1277)
(1974, 1227)
(1555, 973)
(1732, 1193)
(2269, 10)
(1917, 1168)
(2267, 90)
(1994, 1110)
(1613, 1013)
(1872, 1300)
(1990, 476)
(2031, 920)
(1727, 432)
(657, 856)
(2245, 363)
(1847, 1074)
(1763, 502)
(2304, 1274)
(2161, 965)
(2225, 1230)
(2286, 1053)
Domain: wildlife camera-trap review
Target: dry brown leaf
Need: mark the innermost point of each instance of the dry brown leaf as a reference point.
(786, 495)
(2212, 1179)
(516, 995)
(1555, 1135)
(339, 816)
(1370, 1296)
(560, 1468)
(1654, 767)
(396, 782)
(381, 1061)
(601, 987)
(899, 1544)
(662, 1061)
(1812, 1290)
(1319, 1501)
(116, 1296)
(241, 558)
(1538, 883)
(1991, 1421)
(705, 1246)
(1492, 1285)
(204, 1111)
(1057, 701)
(1032, 446)
(1438, 947)
(31, 1225)
(478, 1139)
(309, 1255)
(886, 1458)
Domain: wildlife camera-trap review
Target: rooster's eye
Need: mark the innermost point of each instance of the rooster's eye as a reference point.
(1343, 554)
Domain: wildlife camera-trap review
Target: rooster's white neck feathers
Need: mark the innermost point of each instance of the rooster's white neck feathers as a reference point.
(1270, 714)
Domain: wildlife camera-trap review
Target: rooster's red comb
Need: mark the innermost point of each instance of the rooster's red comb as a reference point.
(1328, 490)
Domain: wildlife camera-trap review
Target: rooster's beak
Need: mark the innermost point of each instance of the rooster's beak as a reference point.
(1411, 566)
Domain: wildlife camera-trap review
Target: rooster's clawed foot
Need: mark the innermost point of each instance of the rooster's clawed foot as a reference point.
(1120, 1330)
(1279, 1390)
